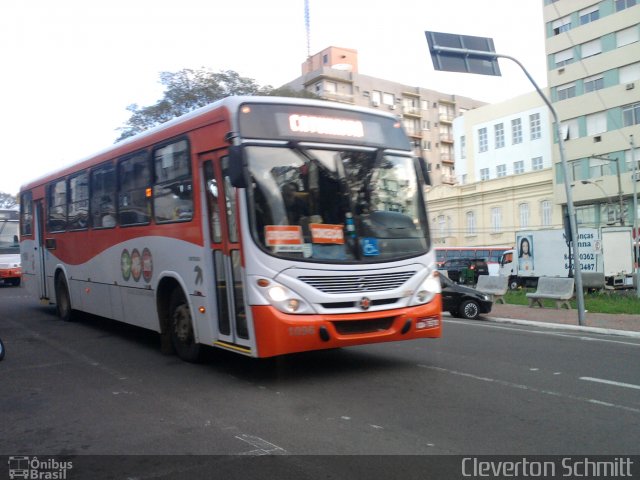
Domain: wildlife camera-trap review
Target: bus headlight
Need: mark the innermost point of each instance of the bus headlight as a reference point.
(283, 298)
(427, 290)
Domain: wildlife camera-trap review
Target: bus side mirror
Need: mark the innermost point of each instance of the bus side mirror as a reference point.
(237, 166)
(425, 170)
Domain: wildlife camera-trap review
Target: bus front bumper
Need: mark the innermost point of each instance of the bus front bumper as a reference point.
(279, 333)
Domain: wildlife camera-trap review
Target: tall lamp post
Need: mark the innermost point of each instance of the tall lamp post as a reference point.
(446, 54)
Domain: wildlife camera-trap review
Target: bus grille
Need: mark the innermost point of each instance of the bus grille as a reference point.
(358, 283)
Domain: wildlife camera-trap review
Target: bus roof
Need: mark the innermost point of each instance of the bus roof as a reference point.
(197, 118)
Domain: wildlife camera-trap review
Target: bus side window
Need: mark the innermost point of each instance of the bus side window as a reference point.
(103, 193)
(133, 199)
(172, 192)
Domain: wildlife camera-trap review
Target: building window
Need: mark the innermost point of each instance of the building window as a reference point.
(536, 163)
(483, 141)
(424, 104)
(516, 131)
(627, 36)
(570, 129)
(566, 91)
(523, 211)
(596, 123)
(388, 99)
(631, 114)
(463, 147)
(499, 132)
(471, 223)
(622, 4)
(518, 167)
(535, 129)
(629, 161)
(325, 59)
(589, 15)
(592, 84)
(561, 25)
(442, 226)
(376, 98)
(629, 73)
(563, 57)
(589, 49)
(545, 210)
(330, 87)
(501, 170)
(484, 174)
(600, 168)
(496, 219)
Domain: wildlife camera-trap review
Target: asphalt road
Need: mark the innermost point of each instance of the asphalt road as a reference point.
(99, 387)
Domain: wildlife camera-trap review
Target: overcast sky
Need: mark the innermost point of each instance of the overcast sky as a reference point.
(71, 67)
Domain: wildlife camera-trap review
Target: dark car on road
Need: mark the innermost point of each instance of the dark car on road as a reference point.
(465, 270)
(463, 302)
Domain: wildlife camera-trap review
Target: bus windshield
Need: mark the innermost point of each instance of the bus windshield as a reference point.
(9, 237)
(338, 205)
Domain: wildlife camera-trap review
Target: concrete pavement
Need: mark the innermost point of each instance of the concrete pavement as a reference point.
(616, 324)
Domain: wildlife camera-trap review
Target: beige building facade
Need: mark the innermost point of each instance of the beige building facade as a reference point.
(593, 56)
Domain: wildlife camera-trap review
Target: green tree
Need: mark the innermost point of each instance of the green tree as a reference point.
(7, 200)
(189, 89)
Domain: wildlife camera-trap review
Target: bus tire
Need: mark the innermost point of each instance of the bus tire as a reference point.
(181, 328)
(63, 300)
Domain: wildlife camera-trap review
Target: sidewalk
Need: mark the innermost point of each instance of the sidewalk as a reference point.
(617, 324)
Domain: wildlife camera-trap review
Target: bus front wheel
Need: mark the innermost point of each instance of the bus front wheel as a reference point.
(181, 328)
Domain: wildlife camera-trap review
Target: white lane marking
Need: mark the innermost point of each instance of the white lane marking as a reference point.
(610, 382)
(556, 334)
(262, 446)
(530, 389)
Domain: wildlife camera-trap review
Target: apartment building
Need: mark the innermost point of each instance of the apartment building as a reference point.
(593, 55)
(427, 115)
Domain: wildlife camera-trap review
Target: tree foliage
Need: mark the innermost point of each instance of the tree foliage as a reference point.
(7, 200)
(189, 89)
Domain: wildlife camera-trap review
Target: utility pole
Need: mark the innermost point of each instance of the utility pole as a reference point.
(634, 180)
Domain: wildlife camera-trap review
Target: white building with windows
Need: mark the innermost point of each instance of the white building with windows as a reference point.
(505, 176)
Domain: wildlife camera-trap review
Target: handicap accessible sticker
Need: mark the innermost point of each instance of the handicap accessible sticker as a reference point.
(369, 246)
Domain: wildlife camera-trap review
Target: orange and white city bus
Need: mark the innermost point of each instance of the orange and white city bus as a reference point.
(260, 225)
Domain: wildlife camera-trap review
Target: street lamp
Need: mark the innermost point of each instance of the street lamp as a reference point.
(482, 58)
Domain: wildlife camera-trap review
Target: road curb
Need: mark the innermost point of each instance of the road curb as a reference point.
(564, 326)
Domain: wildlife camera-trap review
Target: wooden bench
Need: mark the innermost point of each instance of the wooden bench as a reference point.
(494, 285)
(553, 288)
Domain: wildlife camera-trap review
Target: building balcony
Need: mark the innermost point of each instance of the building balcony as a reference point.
(412, 111)
(446, 138)
(447, 158)
(445, 118)
(448, 179)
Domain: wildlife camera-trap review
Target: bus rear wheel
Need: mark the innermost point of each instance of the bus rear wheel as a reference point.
(63, 300)
(181, 328)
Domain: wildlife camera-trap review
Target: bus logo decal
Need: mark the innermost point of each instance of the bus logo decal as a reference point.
(125, 264)
(147, 265)
(136, 264)
(365, 303)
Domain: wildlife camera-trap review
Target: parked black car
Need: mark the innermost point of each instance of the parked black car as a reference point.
(463, 302)
(465, 270)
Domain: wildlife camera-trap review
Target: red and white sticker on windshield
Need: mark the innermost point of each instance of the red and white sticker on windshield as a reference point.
(281, 236)
(325, 233)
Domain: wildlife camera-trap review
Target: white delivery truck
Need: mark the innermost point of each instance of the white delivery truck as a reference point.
(545, 253)
(617, 256)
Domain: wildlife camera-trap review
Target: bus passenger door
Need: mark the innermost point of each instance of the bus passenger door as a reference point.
(40, 250)
(231, 322)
